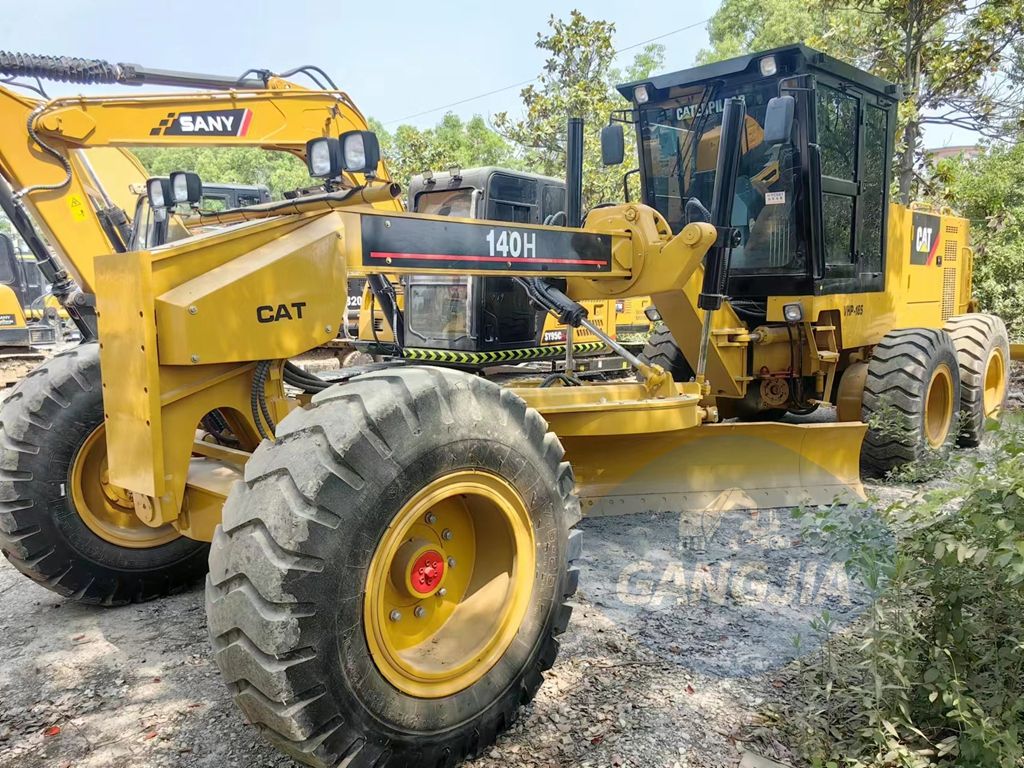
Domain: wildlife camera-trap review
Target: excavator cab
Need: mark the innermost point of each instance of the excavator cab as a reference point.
(811, 196)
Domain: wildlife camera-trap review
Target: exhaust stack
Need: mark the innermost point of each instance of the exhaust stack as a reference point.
(574, 172)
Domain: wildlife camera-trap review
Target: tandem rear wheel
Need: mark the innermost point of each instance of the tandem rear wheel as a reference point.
(388, 584)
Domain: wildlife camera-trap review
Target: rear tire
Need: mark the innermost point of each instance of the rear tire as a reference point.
(983, 352)
(911, 397)
(290, 594)
(45, 425)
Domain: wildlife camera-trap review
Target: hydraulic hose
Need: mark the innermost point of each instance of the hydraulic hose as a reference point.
(64, 162)
(65, 69)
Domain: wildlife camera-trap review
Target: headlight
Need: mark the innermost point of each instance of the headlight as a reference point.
(360, 152)
(793, 313)
(354, 152)
(768, 66)
(159, 192)
(323, 157)
(641, 95)
(186, 187)
(652, 314)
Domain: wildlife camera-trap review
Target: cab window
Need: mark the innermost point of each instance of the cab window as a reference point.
(679, 145)
(852, 135)
(511, 199)
(446, 202)
(837, 142)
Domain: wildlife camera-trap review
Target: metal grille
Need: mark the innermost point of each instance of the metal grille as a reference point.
(952, 247)
(952, 229)
(948, 292)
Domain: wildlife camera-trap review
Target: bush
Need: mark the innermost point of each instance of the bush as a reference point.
(989, 190)
(935, 672)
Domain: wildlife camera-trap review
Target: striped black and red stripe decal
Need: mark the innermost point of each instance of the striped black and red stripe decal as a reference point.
(459, 246)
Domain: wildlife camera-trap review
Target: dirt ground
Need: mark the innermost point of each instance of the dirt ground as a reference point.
(681, 636)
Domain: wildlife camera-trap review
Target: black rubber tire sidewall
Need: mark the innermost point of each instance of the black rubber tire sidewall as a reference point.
(44, 422)
(899, 374)
(349, 690)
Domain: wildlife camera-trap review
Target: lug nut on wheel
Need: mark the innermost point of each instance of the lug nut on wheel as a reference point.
(431, 518)
(442, 592)
(451, 562)
(420, 612)
(446, 534)
(395, 616)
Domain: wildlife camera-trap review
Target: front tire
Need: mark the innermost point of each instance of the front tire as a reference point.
(62, 523)
(324, 596)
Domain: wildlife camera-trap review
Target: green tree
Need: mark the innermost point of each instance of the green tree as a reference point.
(577, 80)
(279, 171)
(989, 190)
(957, 60)
(410, 150)
(739, 27)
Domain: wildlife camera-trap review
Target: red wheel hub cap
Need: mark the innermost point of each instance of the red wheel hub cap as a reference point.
(427, 572)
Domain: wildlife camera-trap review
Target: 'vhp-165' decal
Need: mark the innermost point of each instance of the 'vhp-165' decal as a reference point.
(456, 246)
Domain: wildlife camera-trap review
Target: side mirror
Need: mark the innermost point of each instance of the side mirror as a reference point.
(778, 120)
(186, 187)
(613, 144)
(360, 152)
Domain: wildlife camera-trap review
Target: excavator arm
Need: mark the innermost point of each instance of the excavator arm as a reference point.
(66, 160)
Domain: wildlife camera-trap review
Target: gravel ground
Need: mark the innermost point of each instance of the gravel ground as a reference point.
(682, 634)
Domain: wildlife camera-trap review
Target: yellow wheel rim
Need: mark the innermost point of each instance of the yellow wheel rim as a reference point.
(995, 383)
(938, 407)
(449, 584)
(105, 508)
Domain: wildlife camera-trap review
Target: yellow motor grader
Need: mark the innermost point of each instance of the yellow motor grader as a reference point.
(390, 553)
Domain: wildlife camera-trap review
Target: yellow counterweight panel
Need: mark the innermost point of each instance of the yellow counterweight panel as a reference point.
(290, 279)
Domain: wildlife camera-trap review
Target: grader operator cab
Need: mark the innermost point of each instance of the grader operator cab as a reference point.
(390, 554)
(853, 300)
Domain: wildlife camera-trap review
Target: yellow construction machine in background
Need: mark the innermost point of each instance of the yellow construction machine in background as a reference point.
(489, 323)
(71, 186)
(390, 552)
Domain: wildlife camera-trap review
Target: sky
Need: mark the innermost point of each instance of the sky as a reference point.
(399, 61)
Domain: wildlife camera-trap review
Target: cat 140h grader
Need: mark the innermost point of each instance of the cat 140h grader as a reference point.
(390, 554)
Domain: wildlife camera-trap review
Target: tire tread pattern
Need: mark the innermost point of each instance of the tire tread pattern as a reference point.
(255, 625)
(898, 374)
(975, 336)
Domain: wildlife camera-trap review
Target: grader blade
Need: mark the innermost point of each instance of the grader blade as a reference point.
(718, 467)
